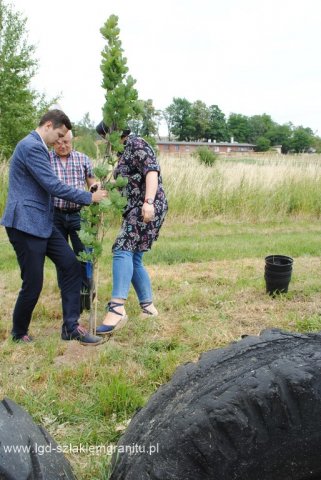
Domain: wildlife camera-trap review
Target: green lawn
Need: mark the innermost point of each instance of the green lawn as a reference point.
(210, 240)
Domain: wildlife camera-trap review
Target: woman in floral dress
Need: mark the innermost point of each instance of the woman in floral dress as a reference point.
(142, 219)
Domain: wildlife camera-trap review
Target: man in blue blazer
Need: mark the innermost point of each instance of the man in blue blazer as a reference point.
(28, 218)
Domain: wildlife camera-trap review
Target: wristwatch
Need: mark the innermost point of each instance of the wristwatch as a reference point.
(150, 201)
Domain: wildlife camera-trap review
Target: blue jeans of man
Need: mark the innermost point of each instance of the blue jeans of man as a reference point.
(128, 268)
(31, 252)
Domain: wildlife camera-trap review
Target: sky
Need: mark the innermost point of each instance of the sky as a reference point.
(246, 56)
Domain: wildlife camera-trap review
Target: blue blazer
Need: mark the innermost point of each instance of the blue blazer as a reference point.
(32, 184)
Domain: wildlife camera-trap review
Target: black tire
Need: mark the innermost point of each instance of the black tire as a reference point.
(251, 411)
(27, 451)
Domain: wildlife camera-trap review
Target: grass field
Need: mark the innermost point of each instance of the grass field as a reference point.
(209, 287)
(208, 277)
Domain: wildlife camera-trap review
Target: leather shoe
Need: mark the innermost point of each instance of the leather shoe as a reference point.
(82, 336)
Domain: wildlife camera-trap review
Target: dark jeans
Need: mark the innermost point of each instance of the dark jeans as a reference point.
(31, 252)
(69, 225)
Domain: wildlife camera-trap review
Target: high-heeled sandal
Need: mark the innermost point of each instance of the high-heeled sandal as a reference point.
(146, 312)
(109, 329)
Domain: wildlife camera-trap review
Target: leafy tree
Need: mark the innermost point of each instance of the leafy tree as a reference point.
(182, 123)
(146, 122)
(259, 126)
(199, 119)
(158, 120)
(19, 104)
(85, 127)
(168, 116)
(217, 128)
(316, 144)
(281, 135)
(134, 125)
(302, 139)
(149, 115)
(239, 127)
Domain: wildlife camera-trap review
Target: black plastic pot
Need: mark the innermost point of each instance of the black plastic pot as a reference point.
(278, 271)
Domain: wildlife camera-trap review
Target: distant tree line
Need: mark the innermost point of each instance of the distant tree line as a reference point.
(187, 121)
(195, 121)
(21, 107)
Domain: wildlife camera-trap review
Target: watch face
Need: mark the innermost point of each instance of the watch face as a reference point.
(150, 201)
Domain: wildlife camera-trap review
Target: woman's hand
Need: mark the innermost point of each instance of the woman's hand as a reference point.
(148, 212)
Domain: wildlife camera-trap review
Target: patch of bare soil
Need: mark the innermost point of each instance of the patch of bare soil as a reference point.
(75, 353)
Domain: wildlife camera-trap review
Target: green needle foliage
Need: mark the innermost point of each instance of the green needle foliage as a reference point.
(121, 105)
(96, 217)
(121, 98)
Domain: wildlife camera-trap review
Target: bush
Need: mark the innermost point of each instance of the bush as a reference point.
(262, 144)
(206, 156)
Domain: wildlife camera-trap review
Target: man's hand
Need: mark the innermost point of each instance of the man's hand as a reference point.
(148, 212)
(98, 196)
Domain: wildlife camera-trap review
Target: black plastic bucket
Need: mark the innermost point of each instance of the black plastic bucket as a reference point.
(278, 271)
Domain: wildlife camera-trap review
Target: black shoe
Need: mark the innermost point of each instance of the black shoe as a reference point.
(24, 339)
(109, 329)
(82, 336)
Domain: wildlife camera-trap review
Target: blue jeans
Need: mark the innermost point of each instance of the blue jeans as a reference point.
(128, 268)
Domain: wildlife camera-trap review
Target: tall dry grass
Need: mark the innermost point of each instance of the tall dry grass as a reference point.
(254, 188)
(250, 188)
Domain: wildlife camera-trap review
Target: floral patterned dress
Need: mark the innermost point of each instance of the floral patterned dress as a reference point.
(137, 159)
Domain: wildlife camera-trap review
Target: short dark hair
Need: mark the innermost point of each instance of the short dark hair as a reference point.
(57, 117)
(102, 129)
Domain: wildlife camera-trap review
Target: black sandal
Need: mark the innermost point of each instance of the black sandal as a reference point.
(144, 306)
(108, 329)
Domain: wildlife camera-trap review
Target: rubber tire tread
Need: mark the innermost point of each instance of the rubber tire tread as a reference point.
(38, 458)
(250, 411)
